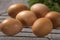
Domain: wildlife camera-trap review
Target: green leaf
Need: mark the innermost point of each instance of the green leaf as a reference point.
(54, 5)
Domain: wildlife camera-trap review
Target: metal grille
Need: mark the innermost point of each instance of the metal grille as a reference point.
(26, 33)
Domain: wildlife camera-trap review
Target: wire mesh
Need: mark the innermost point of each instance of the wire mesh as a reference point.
(4, 15)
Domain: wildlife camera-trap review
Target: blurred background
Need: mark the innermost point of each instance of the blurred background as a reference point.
(4, 4)
(54, 5)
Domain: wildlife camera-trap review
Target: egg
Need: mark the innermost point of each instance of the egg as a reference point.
(11, 27)
(14, 9)
(54, 17)
(26, 17)
(42, 27)
(39, 9)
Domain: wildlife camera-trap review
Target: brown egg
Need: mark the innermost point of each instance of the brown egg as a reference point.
(39, 9)
(14, 9)
(26, 17)
(11, 27)
(55, 18)
(42, 27)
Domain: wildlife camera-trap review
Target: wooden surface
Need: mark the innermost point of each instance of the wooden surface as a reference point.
(26, 33)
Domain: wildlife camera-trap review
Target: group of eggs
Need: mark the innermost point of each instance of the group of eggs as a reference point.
(38, 17)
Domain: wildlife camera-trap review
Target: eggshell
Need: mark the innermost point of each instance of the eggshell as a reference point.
(42, 27)
(14, 9)
(11, 27)
(39, 9)
(26, 17)
(54, 17)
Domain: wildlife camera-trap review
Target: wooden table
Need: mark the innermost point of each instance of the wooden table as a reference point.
(26, 33)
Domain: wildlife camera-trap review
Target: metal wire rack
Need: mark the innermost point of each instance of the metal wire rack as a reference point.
(26, 33)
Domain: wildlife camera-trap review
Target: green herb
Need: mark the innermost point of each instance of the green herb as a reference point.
(54, 5)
